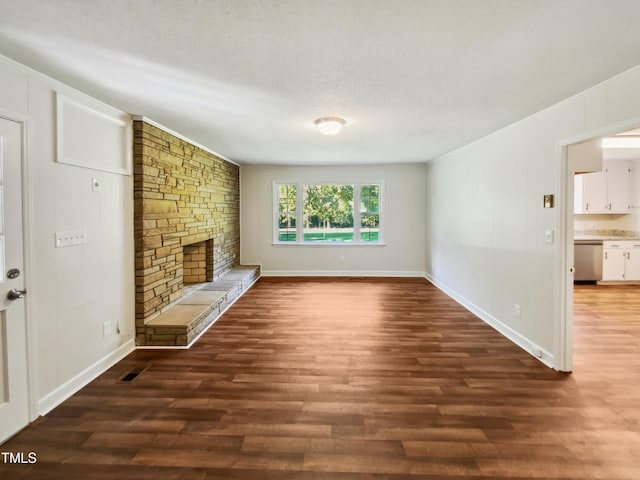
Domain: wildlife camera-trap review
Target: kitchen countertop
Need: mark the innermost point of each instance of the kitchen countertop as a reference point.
(587, 237)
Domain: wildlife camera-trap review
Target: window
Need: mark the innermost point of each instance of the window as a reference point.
(287, 217)
(325, 214)
(370, 213)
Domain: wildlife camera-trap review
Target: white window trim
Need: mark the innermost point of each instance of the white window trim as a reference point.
(300, 214)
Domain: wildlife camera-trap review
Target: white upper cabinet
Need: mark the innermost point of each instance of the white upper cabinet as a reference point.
(591, 193)
(618, 183)
(604, 192)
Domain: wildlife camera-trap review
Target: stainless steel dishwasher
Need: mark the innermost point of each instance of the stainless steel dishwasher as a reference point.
(587, 260)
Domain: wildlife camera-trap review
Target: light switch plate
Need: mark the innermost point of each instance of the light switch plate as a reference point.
(68, 239)
(548, 236)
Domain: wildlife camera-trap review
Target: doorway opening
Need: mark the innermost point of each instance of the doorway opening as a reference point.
(601, 220)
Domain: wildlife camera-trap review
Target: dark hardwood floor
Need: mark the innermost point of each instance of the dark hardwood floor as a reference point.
(354, 379)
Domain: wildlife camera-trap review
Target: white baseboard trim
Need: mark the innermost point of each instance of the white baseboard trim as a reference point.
(64, 391)
(527, 345)
(341, 273)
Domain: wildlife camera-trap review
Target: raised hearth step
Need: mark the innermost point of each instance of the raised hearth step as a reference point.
(183, 322)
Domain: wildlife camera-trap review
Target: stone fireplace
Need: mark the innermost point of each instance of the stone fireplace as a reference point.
(187, 219)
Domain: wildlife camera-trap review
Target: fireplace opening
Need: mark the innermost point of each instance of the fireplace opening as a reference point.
(197, 262)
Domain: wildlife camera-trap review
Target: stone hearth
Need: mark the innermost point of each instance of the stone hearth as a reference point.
(199, 308)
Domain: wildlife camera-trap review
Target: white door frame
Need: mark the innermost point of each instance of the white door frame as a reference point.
(27, 225)
(564, 268)
(564, 330)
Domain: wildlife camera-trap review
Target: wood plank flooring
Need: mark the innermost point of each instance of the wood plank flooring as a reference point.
(354, 379)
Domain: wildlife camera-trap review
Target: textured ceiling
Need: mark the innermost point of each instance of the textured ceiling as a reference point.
(413, 78)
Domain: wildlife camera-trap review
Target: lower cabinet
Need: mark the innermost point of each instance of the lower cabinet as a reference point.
(621, 260)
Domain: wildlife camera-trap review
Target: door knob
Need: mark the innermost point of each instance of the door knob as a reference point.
(15, 294)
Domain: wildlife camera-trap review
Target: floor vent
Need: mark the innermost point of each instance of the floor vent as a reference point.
(130, 376)
(133, 374)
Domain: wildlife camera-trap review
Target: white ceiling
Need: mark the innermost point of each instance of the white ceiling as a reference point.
(413, 78)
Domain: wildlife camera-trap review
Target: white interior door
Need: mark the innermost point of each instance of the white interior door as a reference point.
(14, 398)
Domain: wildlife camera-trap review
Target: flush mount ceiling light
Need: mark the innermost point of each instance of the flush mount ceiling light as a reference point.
(329, 125)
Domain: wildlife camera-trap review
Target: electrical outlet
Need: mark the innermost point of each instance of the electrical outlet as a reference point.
(517, 310)
(106, 329)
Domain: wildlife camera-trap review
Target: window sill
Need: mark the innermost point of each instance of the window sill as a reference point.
(328, 244)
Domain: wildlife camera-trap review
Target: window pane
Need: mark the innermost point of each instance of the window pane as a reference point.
(287, 228)
(370, 198)
(287, 198)
(369, 227)
(2, 265)
(328, 213)
(1, 207)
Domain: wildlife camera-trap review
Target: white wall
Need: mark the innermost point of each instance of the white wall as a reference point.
(404, 213)
(485, 215)
(72, 290)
